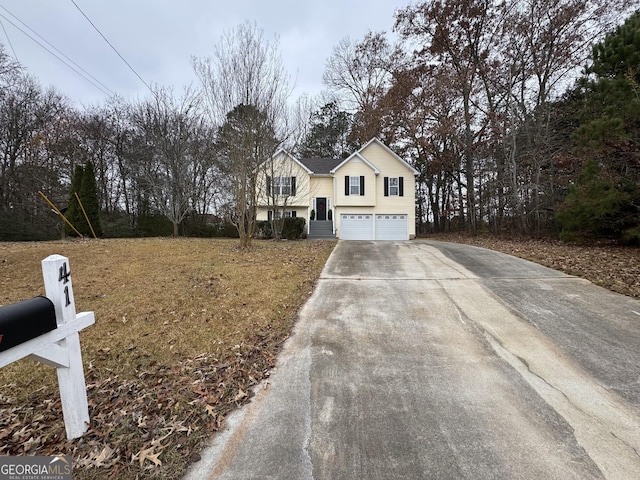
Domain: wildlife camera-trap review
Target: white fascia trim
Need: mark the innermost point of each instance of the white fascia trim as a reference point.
(360, 157)
(284, 152)
(393, 154)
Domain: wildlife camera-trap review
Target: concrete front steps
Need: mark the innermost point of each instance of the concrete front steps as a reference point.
(320, 229)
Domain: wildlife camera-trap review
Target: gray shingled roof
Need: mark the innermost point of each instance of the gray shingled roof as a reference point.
(321, 165)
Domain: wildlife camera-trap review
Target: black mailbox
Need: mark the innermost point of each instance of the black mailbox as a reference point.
(25, 320)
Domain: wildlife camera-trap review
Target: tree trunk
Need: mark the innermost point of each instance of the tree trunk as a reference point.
(469, 164)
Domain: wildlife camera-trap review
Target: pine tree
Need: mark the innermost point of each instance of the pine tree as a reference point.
(74, 213)
(329, 135)
(84, 184)
(609, 94)
(619, 54)
(599, 205)
(89, 197)
(605, 200)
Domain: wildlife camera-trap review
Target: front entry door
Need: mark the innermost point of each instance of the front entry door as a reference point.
(321, 207)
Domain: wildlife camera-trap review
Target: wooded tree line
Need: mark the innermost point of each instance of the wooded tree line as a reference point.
(150, 158)
(520, 116)
(170, 159)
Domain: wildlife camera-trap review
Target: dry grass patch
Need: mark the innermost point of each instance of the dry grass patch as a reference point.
(184, 328)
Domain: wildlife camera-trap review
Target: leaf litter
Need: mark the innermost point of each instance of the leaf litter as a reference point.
(185, 328)
(611, 266)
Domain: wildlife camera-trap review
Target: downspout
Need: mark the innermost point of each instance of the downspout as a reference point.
(334, 221)
(313, 207)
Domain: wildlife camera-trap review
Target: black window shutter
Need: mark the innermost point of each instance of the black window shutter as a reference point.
(293, 212)
(346, 185)
(386, 186)
(361, 185)
(293, 186)
(401, 186)
(270, 215)
(269, 186)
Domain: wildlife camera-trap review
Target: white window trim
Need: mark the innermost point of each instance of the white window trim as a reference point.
(354, 185)
(394, 190)
(282, 186)
(277, 214)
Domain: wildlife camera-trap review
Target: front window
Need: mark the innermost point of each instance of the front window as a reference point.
(354, 183)
(394, 186)
(278, 214)
(282, 185)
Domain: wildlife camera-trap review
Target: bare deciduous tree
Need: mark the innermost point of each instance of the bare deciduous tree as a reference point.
(503, 64)
(27, 114)
(547, 43)
(9, 69)
(247, 91)
(172, 156)
(245, 140)
(361, 74)
(457, 36)
(245, 69)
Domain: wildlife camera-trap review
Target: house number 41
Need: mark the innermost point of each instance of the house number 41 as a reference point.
(64, 278)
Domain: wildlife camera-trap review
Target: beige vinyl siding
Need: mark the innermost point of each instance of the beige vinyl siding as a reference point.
(379, 156)
(322, 187)
(284, 166)
(356, 168)
(393, 202)
(262, 214)
(391, 167)
(372, 202)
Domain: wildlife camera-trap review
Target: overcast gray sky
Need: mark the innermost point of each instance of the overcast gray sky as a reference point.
(158, 38)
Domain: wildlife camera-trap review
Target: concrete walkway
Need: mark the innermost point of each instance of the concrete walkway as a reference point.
(422, 360)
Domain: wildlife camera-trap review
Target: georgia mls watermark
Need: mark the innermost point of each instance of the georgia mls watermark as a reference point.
(35, 468)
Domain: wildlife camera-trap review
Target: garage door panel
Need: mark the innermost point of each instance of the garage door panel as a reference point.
(356, 226)
(392, 227)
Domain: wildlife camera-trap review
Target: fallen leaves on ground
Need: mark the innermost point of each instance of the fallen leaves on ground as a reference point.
(614, 267)
(133, 421)
(185, 328)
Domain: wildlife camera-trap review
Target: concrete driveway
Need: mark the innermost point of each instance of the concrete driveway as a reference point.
(428, 360)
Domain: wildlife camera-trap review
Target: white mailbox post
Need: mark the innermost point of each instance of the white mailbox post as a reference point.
(60, 348)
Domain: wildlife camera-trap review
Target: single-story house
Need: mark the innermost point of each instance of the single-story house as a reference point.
(368, 196)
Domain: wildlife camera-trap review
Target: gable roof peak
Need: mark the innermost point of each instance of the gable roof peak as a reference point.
(282, 151)
(359, 157)
(391, 152)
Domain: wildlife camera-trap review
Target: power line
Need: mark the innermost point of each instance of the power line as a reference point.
(56, 49)
(112, 47)
(9, 41)
(103, 89)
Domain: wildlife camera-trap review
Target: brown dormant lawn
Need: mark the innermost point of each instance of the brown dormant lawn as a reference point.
(184, 329)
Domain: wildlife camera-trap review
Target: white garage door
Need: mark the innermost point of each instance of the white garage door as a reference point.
(356, 227)
(392, 227)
